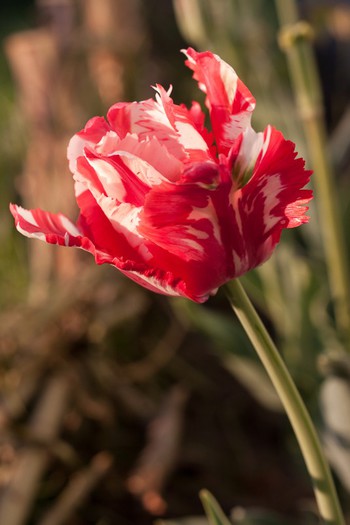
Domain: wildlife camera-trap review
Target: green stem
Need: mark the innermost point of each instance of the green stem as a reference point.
(317, 466)
(295, 39)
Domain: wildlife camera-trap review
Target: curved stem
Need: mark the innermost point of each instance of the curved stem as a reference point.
(317, 466)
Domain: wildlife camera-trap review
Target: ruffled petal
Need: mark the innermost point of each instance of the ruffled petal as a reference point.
(151, 266)
(146, 119)
(180, 119)
(95, 129)
(182, 220)
(273, 199)
(111, 228)
(110, 176)
(196, 115)
(92, 233)
(170, 124)
(48, 227)
(103, 242)
(229, 101)
(149, 151)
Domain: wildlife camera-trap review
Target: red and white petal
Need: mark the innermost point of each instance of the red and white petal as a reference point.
(125, 218)
(95, 129)
(58, 229)
(163, 273)
(180, 118)
(170, 124)
(196, 115)
(181, 219)
(110, 176)
(102, 241)
(229, 101)
(116, 244)
(121, 205)
(45, 226)
(273, 199)
(146, 119)
(244, 154)
(150, 151)
(159, 281)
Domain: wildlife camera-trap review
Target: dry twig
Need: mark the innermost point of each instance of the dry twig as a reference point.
(78, 489)
(32, 459)
(159, 456)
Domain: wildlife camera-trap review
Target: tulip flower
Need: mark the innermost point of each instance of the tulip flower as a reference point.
(177, 208)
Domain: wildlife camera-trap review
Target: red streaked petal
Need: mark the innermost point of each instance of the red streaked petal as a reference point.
(95, 129)
(117, 242)
(45, 226)
(146, 119)
(180, 118)
(58, 229)
(181, 219)
(244, 154)
(196, 115)
(170, 124)
(110, 176)
(150, 151)
(273, 199)
(161, 282)
(103, 242)
(229, 101)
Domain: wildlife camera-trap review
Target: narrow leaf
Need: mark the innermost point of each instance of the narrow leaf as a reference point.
(212, 509)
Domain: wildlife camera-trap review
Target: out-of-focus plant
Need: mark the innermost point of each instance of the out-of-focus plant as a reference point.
(295, 39)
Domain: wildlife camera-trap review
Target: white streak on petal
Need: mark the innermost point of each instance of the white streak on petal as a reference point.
(200, 234)
(235, 204)
(142, 169)
(189, 136)
(109, 178)
(240, 263)
(69, 226)
(209, 213)
(75, 149)
(124, 218)
(267, 140)
(27, 216)
(269, 188)
(229, 79)
(271, 191)
(33, 235)
(198, 249)
(251, 146)
(108, 143)
(154, 283)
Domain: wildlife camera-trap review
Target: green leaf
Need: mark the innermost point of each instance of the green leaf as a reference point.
(212, 509)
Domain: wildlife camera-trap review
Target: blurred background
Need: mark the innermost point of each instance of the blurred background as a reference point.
(118, 405)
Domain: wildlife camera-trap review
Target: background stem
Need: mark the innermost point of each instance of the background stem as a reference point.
(317, 466)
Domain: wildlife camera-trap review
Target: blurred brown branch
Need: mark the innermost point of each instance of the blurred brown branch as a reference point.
(79, 487)
(158, 457)
(32, 459)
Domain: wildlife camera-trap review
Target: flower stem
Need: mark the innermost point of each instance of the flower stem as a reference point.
(295, 39)
(317, 466)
